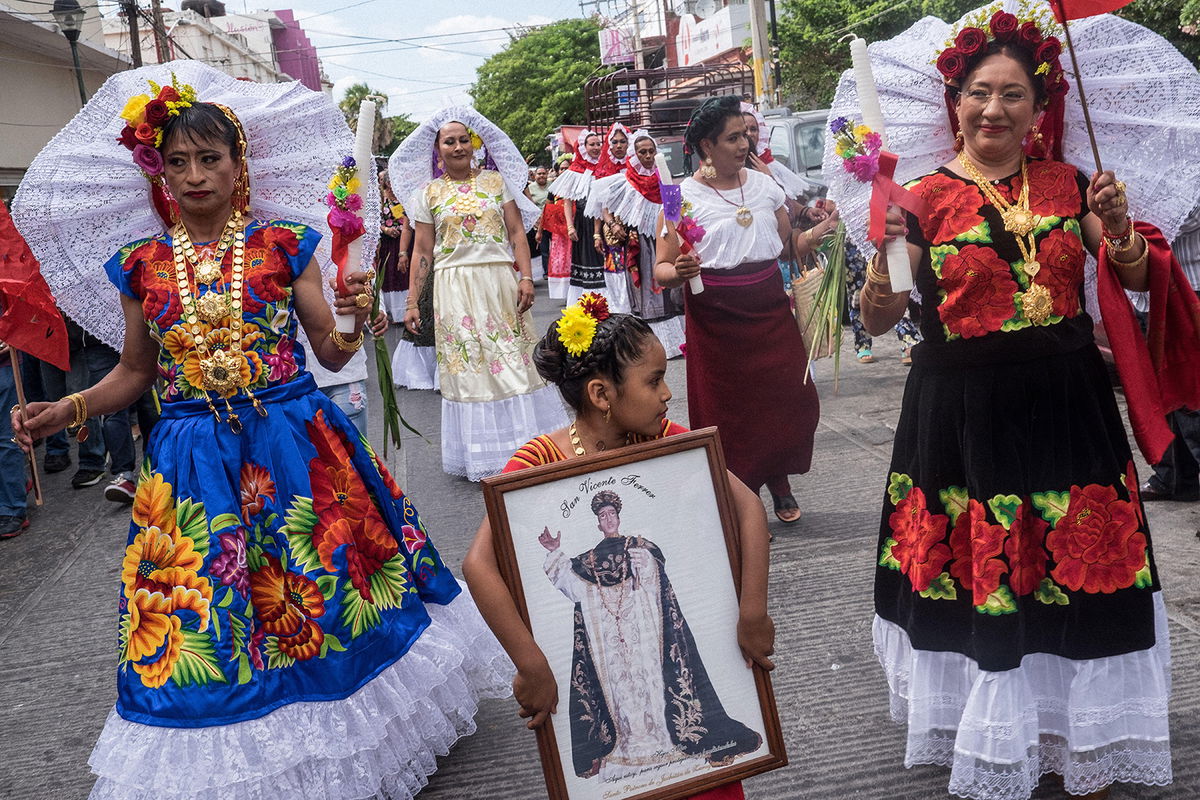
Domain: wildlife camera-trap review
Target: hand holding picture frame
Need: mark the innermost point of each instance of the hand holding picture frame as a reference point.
(625, 566)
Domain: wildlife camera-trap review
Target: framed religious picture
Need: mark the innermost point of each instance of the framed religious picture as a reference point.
(625, 566)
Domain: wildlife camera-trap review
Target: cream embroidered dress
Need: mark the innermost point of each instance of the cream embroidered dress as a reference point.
(492, 398)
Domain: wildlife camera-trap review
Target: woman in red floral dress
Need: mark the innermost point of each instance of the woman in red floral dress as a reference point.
(1019, 618)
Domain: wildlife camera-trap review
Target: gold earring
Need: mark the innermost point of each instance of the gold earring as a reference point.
(608, 414)
(1035, 135)
(958, 142)
(708, 171)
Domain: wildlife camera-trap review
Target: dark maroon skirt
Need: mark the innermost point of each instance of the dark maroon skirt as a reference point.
(745, 372)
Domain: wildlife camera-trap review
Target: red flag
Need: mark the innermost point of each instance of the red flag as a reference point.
(1078, 9)
(30, 321)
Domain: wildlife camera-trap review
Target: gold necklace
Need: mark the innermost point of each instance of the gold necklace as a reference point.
(220, 370)
(577, 443)
(208, 269)
(465, 204)
(743, 215)
(1036, 301)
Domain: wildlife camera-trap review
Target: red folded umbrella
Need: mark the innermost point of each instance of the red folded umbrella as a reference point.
(30, 321)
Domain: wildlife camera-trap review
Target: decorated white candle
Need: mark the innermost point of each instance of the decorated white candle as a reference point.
(899, 270)
(362, 161)
(664, 176)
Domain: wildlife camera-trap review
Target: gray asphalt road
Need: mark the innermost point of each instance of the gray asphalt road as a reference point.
(58, 586)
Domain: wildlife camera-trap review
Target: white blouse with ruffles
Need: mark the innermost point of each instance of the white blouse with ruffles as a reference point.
(726, 244)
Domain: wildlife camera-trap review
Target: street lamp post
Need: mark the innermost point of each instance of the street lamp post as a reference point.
(69, 16)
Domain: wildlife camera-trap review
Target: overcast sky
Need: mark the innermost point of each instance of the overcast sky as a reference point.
(441, 43)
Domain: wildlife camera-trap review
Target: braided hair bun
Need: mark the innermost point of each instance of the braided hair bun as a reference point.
(620, 340)
(707, 121)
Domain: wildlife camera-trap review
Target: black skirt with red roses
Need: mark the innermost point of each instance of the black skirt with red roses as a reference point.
(1011, 521)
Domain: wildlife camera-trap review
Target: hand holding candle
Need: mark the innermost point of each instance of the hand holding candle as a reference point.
(346, 218)
(672, 197)
(899, 270)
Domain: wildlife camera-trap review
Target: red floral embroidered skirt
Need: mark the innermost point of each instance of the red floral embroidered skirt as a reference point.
(1011, 523)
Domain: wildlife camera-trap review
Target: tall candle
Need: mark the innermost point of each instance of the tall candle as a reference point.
(664, 176)
(363, 161)
(898, 267)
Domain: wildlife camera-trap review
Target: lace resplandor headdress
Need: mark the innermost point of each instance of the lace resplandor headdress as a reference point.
(1144, 98)
(414, 163)
(84, 196)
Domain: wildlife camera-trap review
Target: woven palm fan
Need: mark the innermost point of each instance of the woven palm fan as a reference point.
(83, 197)
(1143, 94)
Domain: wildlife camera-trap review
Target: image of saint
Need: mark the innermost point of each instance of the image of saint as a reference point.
(639, 692)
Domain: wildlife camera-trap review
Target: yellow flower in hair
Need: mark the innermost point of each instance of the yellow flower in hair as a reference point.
(476, 141)
(576, 329)
(135, 110)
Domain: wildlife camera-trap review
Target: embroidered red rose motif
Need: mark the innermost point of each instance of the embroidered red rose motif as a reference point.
(979, 289)
(1026, 550)
(1053, 191)
(152, 276)
(1096, 545)
(1062, 258)
(267, 272)
(976, 545)
(919, 548)
(953, 207)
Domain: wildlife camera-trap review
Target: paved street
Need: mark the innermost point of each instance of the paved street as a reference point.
(58, 584)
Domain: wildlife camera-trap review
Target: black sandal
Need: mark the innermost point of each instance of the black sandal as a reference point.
(785, 503)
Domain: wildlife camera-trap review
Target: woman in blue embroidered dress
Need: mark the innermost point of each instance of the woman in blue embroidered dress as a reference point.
(280, 599)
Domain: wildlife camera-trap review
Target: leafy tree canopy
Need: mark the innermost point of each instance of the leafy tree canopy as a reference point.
(813, 61)
(536, 83)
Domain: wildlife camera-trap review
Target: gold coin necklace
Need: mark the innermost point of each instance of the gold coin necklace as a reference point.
(465, 204)
(743, 215)
(220, 369)
(208, 269)
(1036, 301)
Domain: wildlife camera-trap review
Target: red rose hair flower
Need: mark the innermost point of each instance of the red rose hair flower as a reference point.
(1029, 34)
(157, 113)
(168, 94)
(128, 138)
(1004, 25)
(952, 63)
(970, 41)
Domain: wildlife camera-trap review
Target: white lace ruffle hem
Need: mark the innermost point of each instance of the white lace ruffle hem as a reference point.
(670, 332)
(381, 741)
(479, 438)
(559, 287)
(414, 367)
(615, 291)
(395, 304)
(1094, 722)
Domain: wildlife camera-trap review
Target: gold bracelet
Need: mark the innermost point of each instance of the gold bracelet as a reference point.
(1133, 239)
(1137, 264)
(344, 344)
(79, 404)
(525, 278)
(873, 273)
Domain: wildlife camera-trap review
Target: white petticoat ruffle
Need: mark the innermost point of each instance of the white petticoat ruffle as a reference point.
(670, 332)
(381, 741)
(394, 305)
(414, 367)
(615, 291)
(558, 287)
(479, 438)
(1095, 722)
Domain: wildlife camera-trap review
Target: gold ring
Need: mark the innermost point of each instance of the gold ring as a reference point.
(362, 300)
(371, 275)
(1120, 186)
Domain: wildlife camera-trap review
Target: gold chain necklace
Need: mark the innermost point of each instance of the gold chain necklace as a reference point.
(220, 370)
(1036, 301)
(208, 269)
(743, 215)
(577, 443)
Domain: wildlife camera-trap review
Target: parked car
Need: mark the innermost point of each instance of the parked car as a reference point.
(797, 140)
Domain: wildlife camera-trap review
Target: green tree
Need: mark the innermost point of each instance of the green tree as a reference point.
(536, 83)
(402, 126)
(350, 103)
(813, 60)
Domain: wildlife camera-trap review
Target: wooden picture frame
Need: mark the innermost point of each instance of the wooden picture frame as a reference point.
(675, 492)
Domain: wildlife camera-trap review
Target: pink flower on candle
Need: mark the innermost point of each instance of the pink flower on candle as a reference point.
(353, 202)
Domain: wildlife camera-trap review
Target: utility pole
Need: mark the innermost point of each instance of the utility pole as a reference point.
(764, 78)
(129, 7)
(160, 43)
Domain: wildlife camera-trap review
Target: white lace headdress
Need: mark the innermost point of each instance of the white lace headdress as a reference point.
(1144, 98)
(748, 108)
(414, 164)
(83, 197)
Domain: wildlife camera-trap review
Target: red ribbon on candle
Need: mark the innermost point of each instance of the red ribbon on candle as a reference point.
(340, 245)
(886, 192)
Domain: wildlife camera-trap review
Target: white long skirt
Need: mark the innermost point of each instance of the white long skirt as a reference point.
(414, 367)
(383, 740)
(1094, 722)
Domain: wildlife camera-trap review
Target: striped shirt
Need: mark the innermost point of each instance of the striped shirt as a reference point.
(543, 450)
